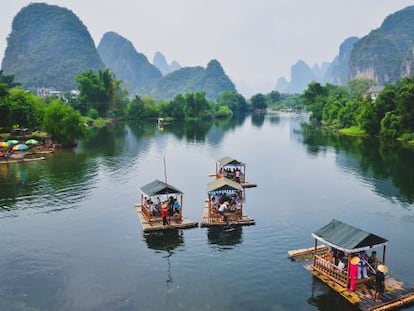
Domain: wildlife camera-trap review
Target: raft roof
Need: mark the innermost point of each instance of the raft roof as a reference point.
(347, 238)
(158, 187)
(223, 184)
(229, 161)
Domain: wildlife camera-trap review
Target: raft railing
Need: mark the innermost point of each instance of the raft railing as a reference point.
(332, 271)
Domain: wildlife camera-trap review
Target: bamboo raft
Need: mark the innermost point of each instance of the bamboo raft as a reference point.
(248, 185)
(397, 293)
(156, 224)
(306, 253)
(216, 222)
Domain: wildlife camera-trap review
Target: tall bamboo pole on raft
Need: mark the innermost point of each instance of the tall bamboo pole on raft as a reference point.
(166, 187)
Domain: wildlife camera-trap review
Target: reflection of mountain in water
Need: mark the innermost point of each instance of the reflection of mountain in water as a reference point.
(222, 236)
(387, 165)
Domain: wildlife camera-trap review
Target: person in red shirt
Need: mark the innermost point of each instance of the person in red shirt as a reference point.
(164, 214)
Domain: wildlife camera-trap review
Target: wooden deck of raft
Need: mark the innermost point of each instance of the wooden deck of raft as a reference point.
(156, 225)
(397, 293)
(216, 222)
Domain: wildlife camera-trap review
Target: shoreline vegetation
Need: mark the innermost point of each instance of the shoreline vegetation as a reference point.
(349, 110)
(357, 110)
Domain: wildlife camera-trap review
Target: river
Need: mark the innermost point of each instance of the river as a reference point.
(70, 238)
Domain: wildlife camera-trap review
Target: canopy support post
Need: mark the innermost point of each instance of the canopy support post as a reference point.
(383, 254)
(314, 251)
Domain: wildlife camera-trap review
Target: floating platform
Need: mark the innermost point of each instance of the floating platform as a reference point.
(306, 253)
(248, 185)
(156, 224)
(397, 293)
(216, 222)
(9, 161)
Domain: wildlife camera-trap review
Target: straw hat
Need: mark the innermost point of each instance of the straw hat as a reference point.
(382, 268)
(355, 260)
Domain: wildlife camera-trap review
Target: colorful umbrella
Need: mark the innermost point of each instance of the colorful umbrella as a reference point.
(12, 142)
(4, 145)
(31, 142)
(20, 147)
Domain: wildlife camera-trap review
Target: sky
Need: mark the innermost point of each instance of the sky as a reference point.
(256, 41)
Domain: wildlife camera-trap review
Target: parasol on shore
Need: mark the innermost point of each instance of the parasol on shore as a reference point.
(20, 147)
(31, 142)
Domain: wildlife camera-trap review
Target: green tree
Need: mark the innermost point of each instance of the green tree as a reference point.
(405, 103)
(314, 100)
(347, 115)
(391, 125)
(359, 87)
(176, 107)
(196, 105)
(62, 123)
(372, 112)
(101, 90)
(233, 100)
(258, 101)
(18, 106)
(135, 109)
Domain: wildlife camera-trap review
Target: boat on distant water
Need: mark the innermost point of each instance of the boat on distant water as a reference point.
(156, 195)
(234, 170)
(224, 205)
(335, 263)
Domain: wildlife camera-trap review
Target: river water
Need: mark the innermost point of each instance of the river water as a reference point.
(70, 238)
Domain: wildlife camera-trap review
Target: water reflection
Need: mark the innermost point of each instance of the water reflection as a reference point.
(325, 299)
(387, 165)
(258, 119)
(168, 241)
(165, 240)
(63, 179)
(223, 237)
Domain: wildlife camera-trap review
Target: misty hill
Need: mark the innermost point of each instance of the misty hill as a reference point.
(133, 68)
(381, 54)
(161, 63)
(301, 75)
(213, 80)
(49, 46)
(338, 71)
(385, 55)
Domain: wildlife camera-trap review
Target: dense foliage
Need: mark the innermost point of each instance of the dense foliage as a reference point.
(62, 122)
(191, 105)
(391, 114)
(21, 108)
(100, 91)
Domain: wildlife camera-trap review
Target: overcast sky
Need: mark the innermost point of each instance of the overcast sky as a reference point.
(256, 41)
